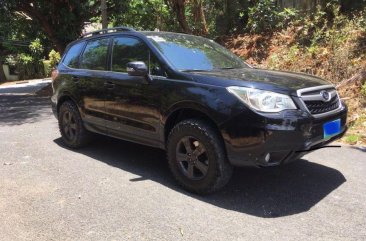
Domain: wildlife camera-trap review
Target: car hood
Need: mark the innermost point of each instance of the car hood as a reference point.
(285, 82)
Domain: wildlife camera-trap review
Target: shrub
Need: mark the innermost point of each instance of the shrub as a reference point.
(363, 89)
(47, 68)
(27, 67)
(264, 16)
(288, 17)
(31, 66)
(36, 49)
(54, 58)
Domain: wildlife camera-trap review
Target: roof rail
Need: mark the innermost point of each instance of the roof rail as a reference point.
(108, 30)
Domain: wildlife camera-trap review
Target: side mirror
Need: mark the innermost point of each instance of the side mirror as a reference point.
(137, 68)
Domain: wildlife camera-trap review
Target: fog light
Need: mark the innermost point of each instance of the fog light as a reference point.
(267, 157)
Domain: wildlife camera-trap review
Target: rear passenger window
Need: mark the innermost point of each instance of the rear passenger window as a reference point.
(72, 56)
(95, 55)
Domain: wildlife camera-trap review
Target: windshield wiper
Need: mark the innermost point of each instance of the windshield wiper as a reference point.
(227, 68)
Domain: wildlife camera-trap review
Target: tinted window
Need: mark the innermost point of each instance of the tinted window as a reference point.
(72, 56)
(155, 66)
(188, 52)
(127, 50)
(95, 55)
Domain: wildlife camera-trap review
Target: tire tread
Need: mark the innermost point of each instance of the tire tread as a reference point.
(224, 169)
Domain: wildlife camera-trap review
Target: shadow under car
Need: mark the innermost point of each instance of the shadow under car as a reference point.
(263, 192)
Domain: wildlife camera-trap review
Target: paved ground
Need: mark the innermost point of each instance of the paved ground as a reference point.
(114, 190)
(23, 87)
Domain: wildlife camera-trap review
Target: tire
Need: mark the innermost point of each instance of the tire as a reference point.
(73, 132)
(196, 143)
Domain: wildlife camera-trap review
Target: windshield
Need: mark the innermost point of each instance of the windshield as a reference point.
(193, 53)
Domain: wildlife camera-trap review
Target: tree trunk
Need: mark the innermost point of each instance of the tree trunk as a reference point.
(104, 14)
(2, 73)
(3, 53)
(203, 20)
(179, 9)
(199, 17)
(59, 46)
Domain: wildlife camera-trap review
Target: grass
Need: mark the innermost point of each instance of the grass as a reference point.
(351, 139)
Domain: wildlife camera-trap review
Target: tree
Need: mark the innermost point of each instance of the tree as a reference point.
(61, 20)
(199, 17)
(179, 8)
(15, 33)
(103, 7)
(145, 15)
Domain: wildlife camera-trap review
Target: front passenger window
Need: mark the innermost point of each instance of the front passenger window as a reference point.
(127, 49)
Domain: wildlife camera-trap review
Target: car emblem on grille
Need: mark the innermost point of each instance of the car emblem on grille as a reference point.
(326, 95)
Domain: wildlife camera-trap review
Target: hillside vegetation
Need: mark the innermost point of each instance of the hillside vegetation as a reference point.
(329, 44)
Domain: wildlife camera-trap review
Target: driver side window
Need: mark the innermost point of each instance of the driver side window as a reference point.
(127, 49)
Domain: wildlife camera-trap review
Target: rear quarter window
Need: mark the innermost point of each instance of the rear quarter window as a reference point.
(72, 57)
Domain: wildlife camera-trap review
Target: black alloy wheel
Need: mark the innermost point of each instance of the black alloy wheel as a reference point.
(73, 132)
(197, 157)
(192, 158)
(69, 125)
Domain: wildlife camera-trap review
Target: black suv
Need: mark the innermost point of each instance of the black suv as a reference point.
(190, 96)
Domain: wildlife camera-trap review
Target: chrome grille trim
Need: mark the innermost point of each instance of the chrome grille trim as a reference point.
(317, 97)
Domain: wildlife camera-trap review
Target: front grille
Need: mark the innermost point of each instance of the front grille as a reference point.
(319, 107)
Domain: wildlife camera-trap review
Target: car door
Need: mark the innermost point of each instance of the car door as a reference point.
(131, 101)
(91, 82)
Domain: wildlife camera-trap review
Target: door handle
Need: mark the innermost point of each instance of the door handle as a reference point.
(109, 84)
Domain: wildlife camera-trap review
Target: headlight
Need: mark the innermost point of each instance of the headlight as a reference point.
(262, 100)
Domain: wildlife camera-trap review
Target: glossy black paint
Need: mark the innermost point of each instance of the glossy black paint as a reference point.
(136, 109)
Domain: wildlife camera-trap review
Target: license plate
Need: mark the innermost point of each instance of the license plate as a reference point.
(332, 128)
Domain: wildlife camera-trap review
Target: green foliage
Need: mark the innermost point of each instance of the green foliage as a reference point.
(54, 58)
(48, 65)
(27, 67)
(47, 68)
(61, 21)
(352, 139)
(288, 16)
(24, 59)
(363, 90)
(30, 65)
(264, 16)
(144, 15)
(36, 49)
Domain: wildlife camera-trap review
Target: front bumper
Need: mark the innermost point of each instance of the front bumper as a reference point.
(286, 136)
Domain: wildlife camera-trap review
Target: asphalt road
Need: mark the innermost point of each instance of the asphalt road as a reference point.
(114, 190)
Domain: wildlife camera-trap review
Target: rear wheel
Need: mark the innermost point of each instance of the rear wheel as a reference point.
(197, 157)
(71, 126)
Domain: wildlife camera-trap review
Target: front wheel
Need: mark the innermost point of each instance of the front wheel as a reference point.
(197, 157)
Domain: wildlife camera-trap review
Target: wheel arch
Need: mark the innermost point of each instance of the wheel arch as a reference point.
(189, 112)
(65, 97)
